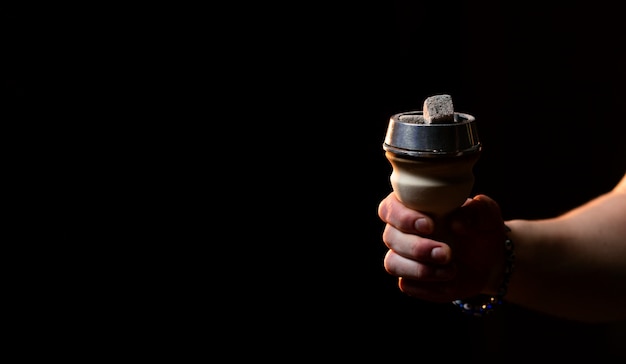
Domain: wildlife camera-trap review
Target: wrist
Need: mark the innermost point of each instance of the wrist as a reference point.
(485, 303)
(500, 271)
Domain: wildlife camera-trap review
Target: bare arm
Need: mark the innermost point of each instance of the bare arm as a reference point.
(571, 266)
(574, 265)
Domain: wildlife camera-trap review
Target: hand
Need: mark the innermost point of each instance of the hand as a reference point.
(470, 260)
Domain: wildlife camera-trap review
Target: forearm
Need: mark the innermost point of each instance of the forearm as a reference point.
(573, 266)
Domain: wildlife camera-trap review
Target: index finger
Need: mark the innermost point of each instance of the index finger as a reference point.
(394, 213)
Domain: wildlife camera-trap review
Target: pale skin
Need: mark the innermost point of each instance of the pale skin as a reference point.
(572, 266)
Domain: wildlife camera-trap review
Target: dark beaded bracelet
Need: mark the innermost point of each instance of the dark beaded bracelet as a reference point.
(484, 304)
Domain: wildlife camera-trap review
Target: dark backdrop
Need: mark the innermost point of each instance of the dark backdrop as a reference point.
(261, 126)
(546, 83)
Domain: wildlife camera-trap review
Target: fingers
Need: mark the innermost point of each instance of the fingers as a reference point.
(400, 266)
(410, 254)
(415, 247)
(424, 266)
(393, 212)
(480, 213)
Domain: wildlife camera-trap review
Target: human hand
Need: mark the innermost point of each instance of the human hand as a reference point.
(471, 260)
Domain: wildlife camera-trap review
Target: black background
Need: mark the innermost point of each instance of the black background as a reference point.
(221, 168)
(546, 83)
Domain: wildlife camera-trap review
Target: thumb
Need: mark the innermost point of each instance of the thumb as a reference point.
(480, 213)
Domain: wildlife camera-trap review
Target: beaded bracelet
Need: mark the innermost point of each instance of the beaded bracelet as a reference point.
(484, 304)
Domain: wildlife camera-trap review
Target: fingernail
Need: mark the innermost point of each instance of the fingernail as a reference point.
(439, 255)
(422, 225)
